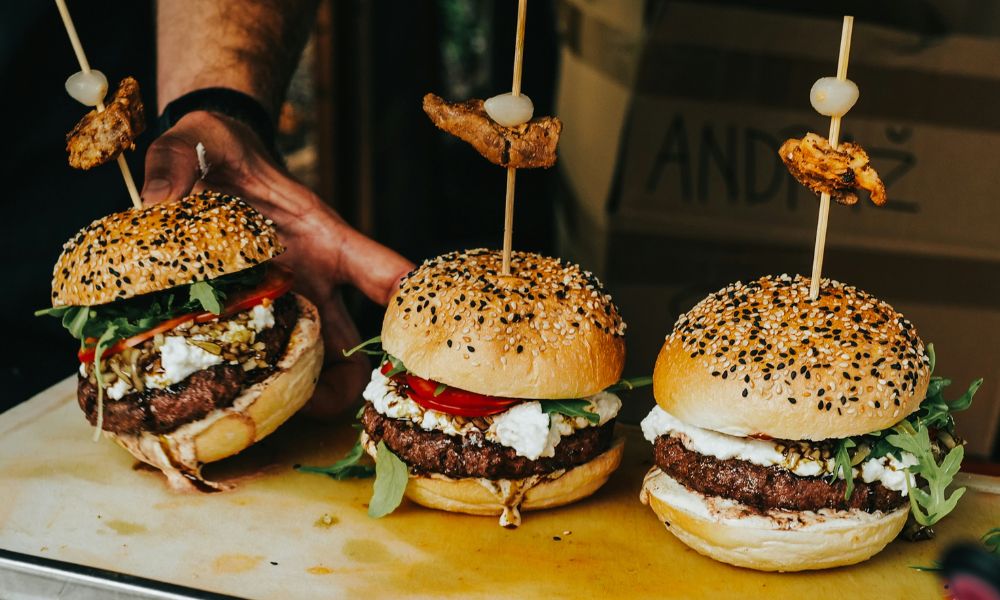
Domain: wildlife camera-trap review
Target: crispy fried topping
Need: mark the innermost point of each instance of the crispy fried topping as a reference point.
(526, 146)
(100, 137)
(838, 172)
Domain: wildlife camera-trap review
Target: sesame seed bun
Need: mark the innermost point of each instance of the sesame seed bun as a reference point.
(733, 533)
(477, 497)
(761, 359)
(255, 414)
(546, 332)
(150, 249)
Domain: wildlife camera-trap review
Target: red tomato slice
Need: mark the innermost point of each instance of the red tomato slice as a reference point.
(277, 282)
(451, 400)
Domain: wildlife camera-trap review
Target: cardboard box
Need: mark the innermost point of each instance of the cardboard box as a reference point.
(673, 115)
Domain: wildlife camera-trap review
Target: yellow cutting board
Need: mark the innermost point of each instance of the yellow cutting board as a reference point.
(65, 497)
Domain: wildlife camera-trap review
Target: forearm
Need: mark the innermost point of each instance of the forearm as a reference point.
(248, 45)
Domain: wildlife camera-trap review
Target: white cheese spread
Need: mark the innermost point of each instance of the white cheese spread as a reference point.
(262, 317)
(525, 427)
(886, 469)
(119, 389)
(179, 359)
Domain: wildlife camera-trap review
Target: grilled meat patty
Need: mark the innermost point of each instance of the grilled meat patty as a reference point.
(765, 488)
(473, 455)
(162, 410)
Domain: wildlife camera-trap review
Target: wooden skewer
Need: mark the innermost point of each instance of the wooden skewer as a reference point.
(515, 90)
(81, 57)
(824, 199)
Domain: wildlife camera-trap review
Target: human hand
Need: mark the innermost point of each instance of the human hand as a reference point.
(323, 250)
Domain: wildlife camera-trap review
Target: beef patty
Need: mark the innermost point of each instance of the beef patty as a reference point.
(163, 410)
(472, 455)
(765, 488)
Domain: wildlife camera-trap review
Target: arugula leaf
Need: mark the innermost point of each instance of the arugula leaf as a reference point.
(345, 468)
(360, 412)
(931, 505)
(141, 313)
(991, 539)
(391, 477)
(363, 347)
(205, 294)
(630, 384)
(571, 408)
(397, 366)
(441, 387)
(932, 357)
(844, 466)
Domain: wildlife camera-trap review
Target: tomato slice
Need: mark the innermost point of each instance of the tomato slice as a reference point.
(452, 401)
(277, 282)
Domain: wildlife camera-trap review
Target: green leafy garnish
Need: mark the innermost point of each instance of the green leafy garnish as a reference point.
(204, 293)
(363, 347)
(571, 408)
(439, 389)
(931, 505)
(991, 539)
(397, 366)
(843, 466)
(391, 477)
(135, 315)
(630, 384)
(349, 467)
(926, 434)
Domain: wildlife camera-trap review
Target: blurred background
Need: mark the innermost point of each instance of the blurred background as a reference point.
(668, 184)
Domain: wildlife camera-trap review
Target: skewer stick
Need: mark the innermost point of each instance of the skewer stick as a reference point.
(824, 200)
(515, 89)
(81, 57)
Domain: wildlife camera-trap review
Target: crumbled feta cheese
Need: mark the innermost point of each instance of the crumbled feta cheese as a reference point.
(525, 427)
(262, 317)
(119, 389)
(179, 359)
(886, 469)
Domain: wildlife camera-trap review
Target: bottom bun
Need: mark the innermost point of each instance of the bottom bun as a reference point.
(779, 541)
(256, 412)
(507, 497)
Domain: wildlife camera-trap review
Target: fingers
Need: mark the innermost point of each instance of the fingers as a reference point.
(171, 167)
(371, 267)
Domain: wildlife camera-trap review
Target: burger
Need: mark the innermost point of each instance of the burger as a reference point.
(789, 433)
(192, 347)
(492, 392)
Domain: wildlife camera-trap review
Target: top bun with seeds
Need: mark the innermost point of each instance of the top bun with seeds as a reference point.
(548, 331)
(150, 249)
(762, 359)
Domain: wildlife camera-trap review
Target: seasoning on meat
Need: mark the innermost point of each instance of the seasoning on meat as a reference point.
(838, 172)
(526, 146)
(100, 137)
(472, 455)
(766, 488)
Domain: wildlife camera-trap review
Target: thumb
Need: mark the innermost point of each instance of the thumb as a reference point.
(171, 168)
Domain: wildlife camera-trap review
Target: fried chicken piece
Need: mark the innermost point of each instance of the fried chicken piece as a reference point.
(526, 146)
(100, 137)
(816, 165)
